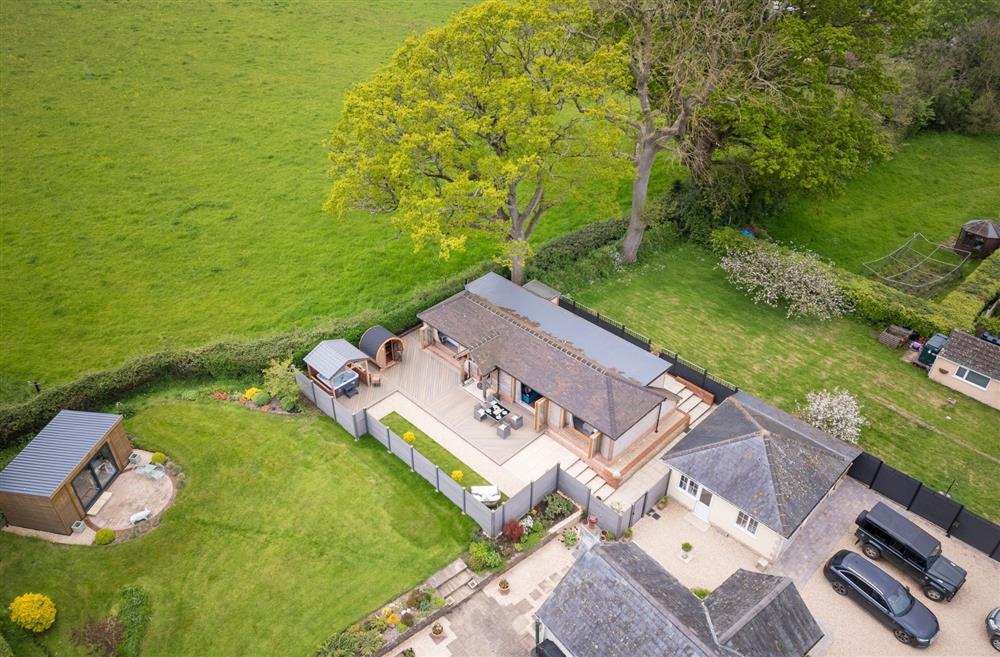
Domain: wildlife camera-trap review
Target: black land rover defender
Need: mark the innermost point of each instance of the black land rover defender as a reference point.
(885, 533)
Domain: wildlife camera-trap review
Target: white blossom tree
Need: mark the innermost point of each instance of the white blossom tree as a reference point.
(836, 412)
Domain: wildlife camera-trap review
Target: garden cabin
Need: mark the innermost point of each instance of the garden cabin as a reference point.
(971, 366)
(980, 237)
(337, 365)
(755, 472)
(64, 470)
(383, 347)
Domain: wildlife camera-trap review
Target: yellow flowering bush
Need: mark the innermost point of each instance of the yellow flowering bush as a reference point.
(250, 392)
(409, 437)
(393, 619)
(159, 458)
(33, 611)
(457, 475)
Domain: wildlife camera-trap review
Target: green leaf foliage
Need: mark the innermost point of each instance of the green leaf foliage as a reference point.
(134, 611)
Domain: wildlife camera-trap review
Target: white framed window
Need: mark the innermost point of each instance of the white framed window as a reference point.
(747, 523)
(688, 485)
(972, 377)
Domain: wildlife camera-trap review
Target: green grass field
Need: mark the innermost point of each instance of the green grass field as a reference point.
(684, 302)
(163, 176)
(286, 532)
(934, 183)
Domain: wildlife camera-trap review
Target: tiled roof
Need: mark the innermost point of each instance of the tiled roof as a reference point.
(495, 338)
(768, 463)
(972, 352)
(329, 356)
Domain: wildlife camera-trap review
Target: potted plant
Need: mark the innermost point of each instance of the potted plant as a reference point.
(437, 631)
(504, 586)
(627, 535)
(685, 553)
(661, 504)
(408, 652)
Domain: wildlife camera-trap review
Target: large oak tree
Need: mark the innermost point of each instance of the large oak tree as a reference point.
(469, 125)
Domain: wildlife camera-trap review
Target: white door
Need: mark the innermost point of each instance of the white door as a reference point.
(701, 506)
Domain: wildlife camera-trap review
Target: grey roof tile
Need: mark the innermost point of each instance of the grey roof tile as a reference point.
(329, 356)
(972, 352)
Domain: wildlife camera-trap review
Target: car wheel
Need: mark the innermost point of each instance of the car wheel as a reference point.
(871, 551)
(995, 642)
(933, 594)
(902, 636)
(840, 588)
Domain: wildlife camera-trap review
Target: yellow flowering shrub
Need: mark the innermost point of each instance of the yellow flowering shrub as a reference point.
(393, 619)
(158, 458)
(250, 392)
(409, 437)
(33, 611)
(457, 475)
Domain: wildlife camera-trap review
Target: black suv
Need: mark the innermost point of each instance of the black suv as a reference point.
(885, 533)
(883, 597)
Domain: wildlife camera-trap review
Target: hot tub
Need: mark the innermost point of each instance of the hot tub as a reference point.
(345, 383)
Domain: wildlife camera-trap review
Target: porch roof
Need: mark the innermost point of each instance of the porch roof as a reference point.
(43, 465)
(330, 356)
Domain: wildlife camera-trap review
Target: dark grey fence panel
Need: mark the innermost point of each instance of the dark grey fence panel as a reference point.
(864, 468)
(636, 511)
(480, 513)
(453, 491)
(608, 518)
(996, 553)
(934, 506)
(658, 490)
(305, 385)
(514, 508)
(976, 531)
(423, 467)
(360, 423)
(896, 485)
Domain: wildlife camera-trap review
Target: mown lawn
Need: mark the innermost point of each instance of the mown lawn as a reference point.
(163, 176)
(436, 454)
(934, 183)
(685, 304)
(286, 532)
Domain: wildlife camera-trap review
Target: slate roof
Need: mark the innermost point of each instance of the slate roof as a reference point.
(768, 463)
(983, 228)
(616, 601)
(495, 338)
(972, 352)
(329, 356)
(600, 346)
(762, 616)
(43, 465)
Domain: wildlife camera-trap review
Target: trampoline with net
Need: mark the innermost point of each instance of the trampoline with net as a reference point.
(919, 266)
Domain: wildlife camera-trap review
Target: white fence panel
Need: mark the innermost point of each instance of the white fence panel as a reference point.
(325, 403)
(400, 448)
(378, 431)
(453, 491)
(305, 385)
(480, 513)
(426, 469)
(360, 423)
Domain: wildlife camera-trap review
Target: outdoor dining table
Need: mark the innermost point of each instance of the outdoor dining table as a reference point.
(497, 412)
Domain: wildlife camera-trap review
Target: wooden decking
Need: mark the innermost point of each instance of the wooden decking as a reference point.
(435, 385)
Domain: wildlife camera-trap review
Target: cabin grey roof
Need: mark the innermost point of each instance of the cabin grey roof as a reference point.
(768, 463)
(43, 465)
(972, 352)
(762, 616)
(373, 339)
(540, 289)
(611, 351)
(983, 228)
(329, 356)
(495, 338)
(616, 601)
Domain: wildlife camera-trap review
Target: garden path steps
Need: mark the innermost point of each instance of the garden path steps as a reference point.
(452, 581)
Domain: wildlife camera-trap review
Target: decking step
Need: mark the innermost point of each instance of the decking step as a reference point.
(698, 411)
(455, 583)
(586, 476)
(690, 403)
(673, 385)
(685, 394)
(575, 469)
(446, 573)
(596, 484)
(605, 491)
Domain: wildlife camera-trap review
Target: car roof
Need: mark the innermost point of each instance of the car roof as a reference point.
(896, 524)
(871, 573)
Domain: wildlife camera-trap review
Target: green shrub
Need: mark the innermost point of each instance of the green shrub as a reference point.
(565, 251)
(355, 641)
(991, 324)
(557, 507)
(261, 398)
(289, 404)
(484, 556)
(687, 547)
(104, 536)
(159, 458)
(5, 649)
(406, 619)
(700, 592)
(279, 379)
(418, 598)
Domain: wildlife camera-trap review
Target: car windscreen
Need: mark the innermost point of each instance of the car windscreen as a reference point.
(899, 600)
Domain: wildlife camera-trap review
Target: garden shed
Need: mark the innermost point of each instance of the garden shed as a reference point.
(384, 347)
(980, 237)
(337, 365)
(63, 471)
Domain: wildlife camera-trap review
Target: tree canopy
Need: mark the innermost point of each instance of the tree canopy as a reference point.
(467, 127)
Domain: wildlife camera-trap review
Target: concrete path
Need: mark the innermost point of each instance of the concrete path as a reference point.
(490, 623)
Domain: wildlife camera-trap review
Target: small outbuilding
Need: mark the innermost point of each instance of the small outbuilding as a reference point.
(969, 365)
(980, 237)
(62, 472)
(337, 365)
(384, 347)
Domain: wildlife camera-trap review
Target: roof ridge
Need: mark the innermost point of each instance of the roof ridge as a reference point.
(777, 490)
(662, 608)
(797, 432)
(718, 443)
(747, 615)
(747, 414)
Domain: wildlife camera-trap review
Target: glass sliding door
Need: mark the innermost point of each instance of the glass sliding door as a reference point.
(95, 477)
